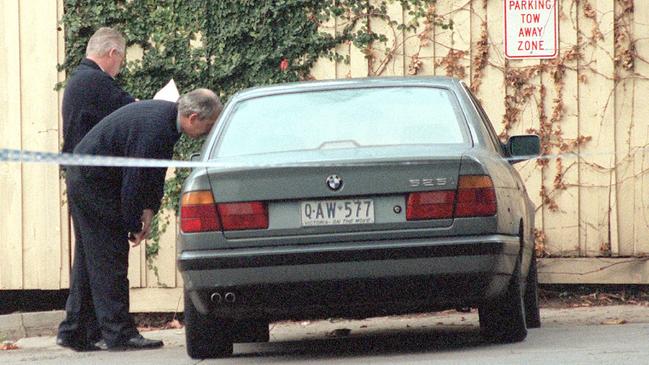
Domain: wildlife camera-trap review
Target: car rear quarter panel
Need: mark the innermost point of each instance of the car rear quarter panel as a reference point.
(514, 205)
(515, 210)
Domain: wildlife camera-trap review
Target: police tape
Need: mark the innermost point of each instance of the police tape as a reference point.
(73, 159)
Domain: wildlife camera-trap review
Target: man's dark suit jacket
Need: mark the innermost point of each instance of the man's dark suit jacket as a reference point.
(90, 95)
(146, 129)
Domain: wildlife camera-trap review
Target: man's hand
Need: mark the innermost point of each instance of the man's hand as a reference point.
(145, 233)
(136, 238)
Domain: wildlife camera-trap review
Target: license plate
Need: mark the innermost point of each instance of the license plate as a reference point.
(337, 212)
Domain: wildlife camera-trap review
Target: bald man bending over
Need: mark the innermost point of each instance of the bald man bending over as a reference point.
(112, 205)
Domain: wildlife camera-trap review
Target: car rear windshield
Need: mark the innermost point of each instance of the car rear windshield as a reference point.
(342, 118)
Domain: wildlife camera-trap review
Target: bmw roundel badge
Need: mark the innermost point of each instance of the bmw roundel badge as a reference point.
(334, 182)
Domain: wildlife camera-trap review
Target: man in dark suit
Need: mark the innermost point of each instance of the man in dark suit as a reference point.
(91, 92)
(112, 205)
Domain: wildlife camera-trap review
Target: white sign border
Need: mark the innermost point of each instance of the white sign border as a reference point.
(556, 36)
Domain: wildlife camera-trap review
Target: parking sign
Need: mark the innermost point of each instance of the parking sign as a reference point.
(531, 29)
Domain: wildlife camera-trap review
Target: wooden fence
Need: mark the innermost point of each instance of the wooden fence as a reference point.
(591, 216)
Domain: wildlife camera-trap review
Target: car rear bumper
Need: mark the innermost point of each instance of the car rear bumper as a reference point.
(338, 279)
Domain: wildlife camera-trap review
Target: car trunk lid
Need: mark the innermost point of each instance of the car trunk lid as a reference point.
(307, 197)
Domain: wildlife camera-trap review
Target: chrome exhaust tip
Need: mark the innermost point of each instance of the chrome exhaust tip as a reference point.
(230, 297)
(215, 298)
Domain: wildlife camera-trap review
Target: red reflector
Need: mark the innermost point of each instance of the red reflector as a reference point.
(237, 216)
(199, 218)
(430, 205)
(476, 197)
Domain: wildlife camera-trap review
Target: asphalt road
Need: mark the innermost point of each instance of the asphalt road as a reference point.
(610, 335)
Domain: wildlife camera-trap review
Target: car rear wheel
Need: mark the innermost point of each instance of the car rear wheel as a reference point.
(532, 312)
(206, 337)
(503, 320)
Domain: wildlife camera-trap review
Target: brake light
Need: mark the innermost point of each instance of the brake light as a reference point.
(430, 205)
(476, 196)
(198, 212)
(248, 215)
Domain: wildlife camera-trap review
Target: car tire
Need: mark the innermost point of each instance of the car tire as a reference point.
(503, 320)
(206, 337)
(532, 312)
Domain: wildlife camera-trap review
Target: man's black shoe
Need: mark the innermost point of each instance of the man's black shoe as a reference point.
(79, 347)
(101, 344)
(137, 342)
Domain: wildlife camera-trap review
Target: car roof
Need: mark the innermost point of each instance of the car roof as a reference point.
(434, 81)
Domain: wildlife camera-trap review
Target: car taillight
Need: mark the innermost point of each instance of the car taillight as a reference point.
(248, 215)
(476, 196)
(198, 212)
(430, 205)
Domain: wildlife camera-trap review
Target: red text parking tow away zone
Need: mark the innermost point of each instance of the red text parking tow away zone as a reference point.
(531, 29)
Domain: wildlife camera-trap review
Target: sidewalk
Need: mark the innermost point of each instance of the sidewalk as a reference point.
(18, 325)
(311, 330)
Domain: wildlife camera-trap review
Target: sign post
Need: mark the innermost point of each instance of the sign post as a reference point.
(531, 29)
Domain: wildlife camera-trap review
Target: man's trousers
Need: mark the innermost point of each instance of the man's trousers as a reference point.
(99, 287)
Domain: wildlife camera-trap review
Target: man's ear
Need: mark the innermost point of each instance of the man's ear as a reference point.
(193, 118)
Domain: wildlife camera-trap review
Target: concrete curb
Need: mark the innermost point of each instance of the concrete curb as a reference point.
(19, 325)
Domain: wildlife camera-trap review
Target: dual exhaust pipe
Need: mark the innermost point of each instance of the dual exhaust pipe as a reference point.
(228, 297)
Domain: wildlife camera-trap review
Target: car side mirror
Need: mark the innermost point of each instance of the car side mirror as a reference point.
(195, 157)
(523, 147)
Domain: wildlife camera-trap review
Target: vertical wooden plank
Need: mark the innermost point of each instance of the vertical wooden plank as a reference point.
(135, 272)
(442, 44)
(453, 45)
(640, 134)
(419, 56)
(388, 58)
(65, 218)
(358, 62)
(624, 129)
(561, 226)
(41, 189)
(343, 68)
(479, 42)
(144, 273)
(135, 257)
(165, 262)
(11, 268)
(492, 90)
(396, 13)
(598, 231)
(324, 68)
(461, 37)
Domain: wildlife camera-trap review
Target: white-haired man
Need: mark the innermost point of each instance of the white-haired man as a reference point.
(91, 92)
